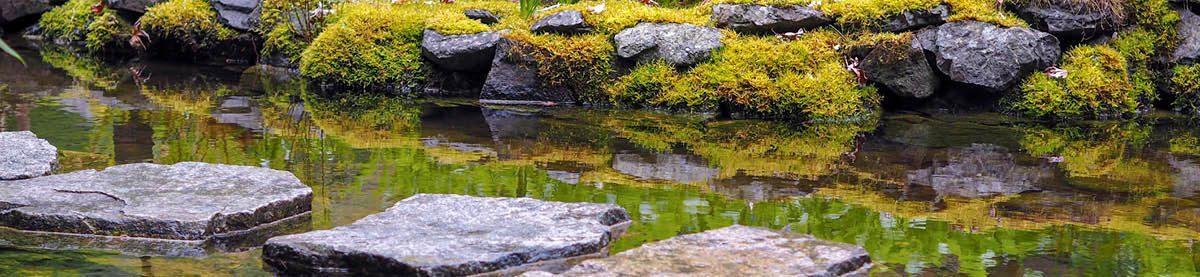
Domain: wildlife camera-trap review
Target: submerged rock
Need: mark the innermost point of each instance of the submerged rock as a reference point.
(23, 155)
(759, 19)
(471, 52)
(483, 16)
(11, 10)
(674, 43)
(731, 251)
(566, 22)
(670, 167)
(1067, 18)
(979, 171)
(185, 201)
(903, 69)
(242, 15)
(138, 6)
(1188, 50)
(452, 235)
(991, 57)
(912, 20)
(514, 79)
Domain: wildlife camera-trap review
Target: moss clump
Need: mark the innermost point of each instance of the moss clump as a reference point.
(1185, 84)
(1097, 85)
(378, 44)
(87, 69)
(990, 11)
(74, 22)
(191, 23)
(873, 12)
(279, 38)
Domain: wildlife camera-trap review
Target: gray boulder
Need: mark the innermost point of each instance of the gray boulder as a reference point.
(731, 251)
(759, 19)
(912, 20)
(1188, 50)
(242, 15)
(903, 69)
(11, 10)
(1067, 18)
(566, 22)
(514, 79)
(981, 170)
(185, 201)
(23, 155)
(678, 44)
(991, 57)
(453, 235)
(470, 52)
(483, 16)
(138, 6)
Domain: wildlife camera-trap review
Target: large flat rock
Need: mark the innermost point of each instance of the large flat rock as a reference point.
(452, 235)
(23, 156)
(731, 251)
(185, 201)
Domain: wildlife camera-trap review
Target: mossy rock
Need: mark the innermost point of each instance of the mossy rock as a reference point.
(75, 24)
(189, 29)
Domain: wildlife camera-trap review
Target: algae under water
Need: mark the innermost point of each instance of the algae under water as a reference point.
(972, 193)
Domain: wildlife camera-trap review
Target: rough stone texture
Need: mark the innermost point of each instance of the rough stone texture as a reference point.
(483, 16)
(451, 235)
(1188, 50)
(566, 22)
(671, 167)
(11, 10)
(912, 20)
(678, 44)
(731, 251)
(138, 6)
(902, 69)
(748, 18)
(1062, 18)
(991, 57)
(471, 52)
(242, 15)
(23, 155)
(979, 171)
(185, 201)
(514, 77)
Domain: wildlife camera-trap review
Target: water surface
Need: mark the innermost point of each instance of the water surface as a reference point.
(926, 194)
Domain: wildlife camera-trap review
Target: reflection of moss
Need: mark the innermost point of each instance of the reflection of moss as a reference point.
(200, 101)
(1101, 156)
(366, 121)
(88, 69)
(1185, 144)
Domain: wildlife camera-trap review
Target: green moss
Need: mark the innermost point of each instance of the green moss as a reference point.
(990, 11)
(192, 23)
(1185, 84)
(278, 37)
(87, 69)
(1101, 155)
(873, 12)
(75, 22)
(644, 84)
(1097, 85)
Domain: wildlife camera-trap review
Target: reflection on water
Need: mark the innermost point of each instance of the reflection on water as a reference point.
(975, 194)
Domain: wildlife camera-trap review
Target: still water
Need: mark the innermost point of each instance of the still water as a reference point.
(970, 194)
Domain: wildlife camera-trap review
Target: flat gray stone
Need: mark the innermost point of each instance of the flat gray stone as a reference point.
(452, 235)
(23, 155)
(242, 15)
(913, 20)
(759, 19)
(484, 16)
(731, 251)
(1067, 18)
(472, 52)
(185, 201)
(566, 22)
(674, 43)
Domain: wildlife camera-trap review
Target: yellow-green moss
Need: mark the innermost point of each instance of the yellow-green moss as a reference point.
(873, 12)
(190, 22)
(274, 27)
(90, 70)
(1097, 85)
(1101, 155)
(1185, 84)
(990, 11)
(75, 22)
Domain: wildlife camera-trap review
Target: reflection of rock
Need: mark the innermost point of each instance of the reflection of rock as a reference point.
(1051, 206)
(453, 235)
(564, 176)
(512, 130)
(671, 167)
(240, 111)
(759, 188)
(732, 251)
(23, 155)
(979, 171)
(185, 201)
(1186, 181)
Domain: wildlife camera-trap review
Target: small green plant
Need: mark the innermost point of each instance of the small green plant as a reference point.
(528, 7)
(10, 51)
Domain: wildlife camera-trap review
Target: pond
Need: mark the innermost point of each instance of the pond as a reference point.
(926, 194)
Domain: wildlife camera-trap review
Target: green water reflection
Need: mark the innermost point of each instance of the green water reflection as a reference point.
(969, 194)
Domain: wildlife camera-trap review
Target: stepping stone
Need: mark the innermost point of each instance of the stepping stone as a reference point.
(191, 202)
(454, 235)
(731, 251)
(23, 156)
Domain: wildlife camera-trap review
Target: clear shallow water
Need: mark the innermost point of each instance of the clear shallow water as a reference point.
(972, 194)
